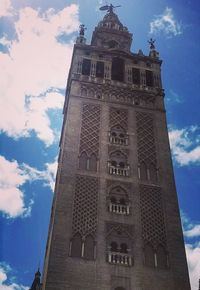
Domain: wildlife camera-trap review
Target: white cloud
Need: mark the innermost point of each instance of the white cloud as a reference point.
(5, 8)
(191, 232)
(11, 197)
(13, 177)
(174, 97)
(185, 145)
(4, 284)
(166, 23)
(193, 259)
(34, 69)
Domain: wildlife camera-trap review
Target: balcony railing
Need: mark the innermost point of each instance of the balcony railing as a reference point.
(120, 258)
(119, 208)
(118, 140)
(114, 170)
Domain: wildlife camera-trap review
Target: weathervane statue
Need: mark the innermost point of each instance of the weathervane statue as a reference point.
(109, 8)
(82, 29)
(151, 42)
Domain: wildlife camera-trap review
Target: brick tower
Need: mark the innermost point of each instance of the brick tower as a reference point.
(115, 222)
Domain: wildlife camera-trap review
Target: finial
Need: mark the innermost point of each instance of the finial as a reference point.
(109, 8)
(82, 29)
(151, 41)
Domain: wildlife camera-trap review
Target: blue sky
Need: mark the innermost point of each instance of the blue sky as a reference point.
(36, 41)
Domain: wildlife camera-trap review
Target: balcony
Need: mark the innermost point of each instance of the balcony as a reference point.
(120, 259)
(118, 140)
(119, 171)
(119, 208)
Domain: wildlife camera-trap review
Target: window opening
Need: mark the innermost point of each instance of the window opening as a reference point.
(149, 78)
(76, 246)
(100, 69)
(118, 69)
(89, 248)
(136, 76)
(86, 67)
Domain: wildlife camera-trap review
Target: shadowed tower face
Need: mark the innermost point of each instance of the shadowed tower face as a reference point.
(115, 222)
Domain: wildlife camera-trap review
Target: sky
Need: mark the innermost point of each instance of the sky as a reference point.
(36, 43)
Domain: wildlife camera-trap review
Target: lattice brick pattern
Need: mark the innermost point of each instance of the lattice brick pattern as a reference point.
(153, 226)
(90, 129)
(119, 117)
(85, 205)
(146, 139)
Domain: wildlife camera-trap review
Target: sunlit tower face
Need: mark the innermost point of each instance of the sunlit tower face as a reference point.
(115, 220)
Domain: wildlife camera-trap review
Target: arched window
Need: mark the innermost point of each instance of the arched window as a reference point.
(114, 247)
(153, 173)
(123, 248)
(121, 164)
(113, 134)
(149, 256)
(89, 248)
(93, 163)
(113, 199)
(122, 201)
(161, 257)
(113, 163)
(118, 135)
(119, 158)
(83, 161)
(112, 44)
(76, 246)
(143, 171)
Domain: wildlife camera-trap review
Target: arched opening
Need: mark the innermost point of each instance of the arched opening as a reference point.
(100, 69)
(113, 134)
(118, 69)
(122, 201)
(118, 135)
(149, 256)
(149, 78)
(114, 247)
(89, 248)
(136, 76)
(76, 246)
(153, 173)
(161, 257)
(83, 159)
(123, 248)
(112, 44)
(86, 65)
(143, 171)
(113, 199)
(121, 164)
(93, 163)
(113, 163)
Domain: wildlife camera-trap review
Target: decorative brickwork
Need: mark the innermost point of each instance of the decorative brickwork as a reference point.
(115, 94)
(85, 205)
(119, 117)
(152, 217)
(146, 139)
(89, 141)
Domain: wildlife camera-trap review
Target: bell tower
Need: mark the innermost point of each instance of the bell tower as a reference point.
(115, 222)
